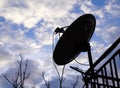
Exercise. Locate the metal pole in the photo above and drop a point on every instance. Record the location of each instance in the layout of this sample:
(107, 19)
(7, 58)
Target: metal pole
(92, 76)
(90, 59)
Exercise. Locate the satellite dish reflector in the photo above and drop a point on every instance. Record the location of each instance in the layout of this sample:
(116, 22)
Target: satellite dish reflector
(69, 45)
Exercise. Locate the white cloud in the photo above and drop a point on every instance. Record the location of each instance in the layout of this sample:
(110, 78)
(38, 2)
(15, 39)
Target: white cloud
(6, 57)
(113, 8)
(109, 33)
(49, 14)
(30, 12)
(97, 49)
(87, 7)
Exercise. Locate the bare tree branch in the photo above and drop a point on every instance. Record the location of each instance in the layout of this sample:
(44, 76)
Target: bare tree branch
(47, 84)
(5, 76)
(74, 85)
(21, 74)
(60, 77)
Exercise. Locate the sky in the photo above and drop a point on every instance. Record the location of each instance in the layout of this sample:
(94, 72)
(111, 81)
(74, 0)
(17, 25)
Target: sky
(27, 26)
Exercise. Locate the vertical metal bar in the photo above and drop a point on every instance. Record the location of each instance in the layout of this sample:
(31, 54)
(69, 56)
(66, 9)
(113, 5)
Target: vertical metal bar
(102, 78)
(106, 76)
(91, 82)
(112, 73)
(90, 59)
(94, 82)
(97, 81)
(116, 73)
(86, 81)
(98, 85)
(91, 67)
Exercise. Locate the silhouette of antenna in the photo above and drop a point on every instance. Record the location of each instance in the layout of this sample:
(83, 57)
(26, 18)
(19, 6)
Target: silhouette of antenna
(74, 40)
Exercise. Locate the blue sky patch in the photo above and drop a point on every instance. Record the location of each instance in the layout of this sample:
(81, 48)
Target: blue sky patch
(76, 9)
(99, 3)
(2, 19)
(30, 34)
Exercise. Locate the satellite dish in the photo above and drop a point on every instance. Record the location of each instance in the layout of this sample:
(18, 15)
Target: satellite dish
(77, 34)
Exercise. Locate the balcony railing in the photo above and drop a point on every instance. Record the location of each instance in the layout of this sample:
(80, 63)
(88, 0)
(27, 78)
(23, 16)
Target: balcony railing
(106, 69)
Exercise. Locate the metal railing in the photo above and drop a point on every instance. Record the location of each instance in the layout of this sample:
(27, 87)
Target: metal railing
(107, 73)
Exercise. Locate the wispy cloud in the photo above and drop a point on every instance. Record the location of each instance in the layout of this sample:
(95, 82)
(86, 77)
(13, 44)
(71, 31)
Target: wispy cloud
(29, 13)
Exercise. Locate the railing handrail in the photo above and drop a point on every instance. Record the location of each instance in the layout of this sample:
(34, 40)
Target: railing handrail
(116, 53)
(107, 52)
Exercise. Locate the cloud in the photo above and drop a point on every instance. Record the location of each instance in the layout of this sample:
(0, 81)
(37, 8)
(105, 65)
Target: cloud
(87, 6)
(26, 27)
(109, 33)
(98, 49)
(33, 69)
(5, 59)
(69, 80)
(29, 13)
(113, 8)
